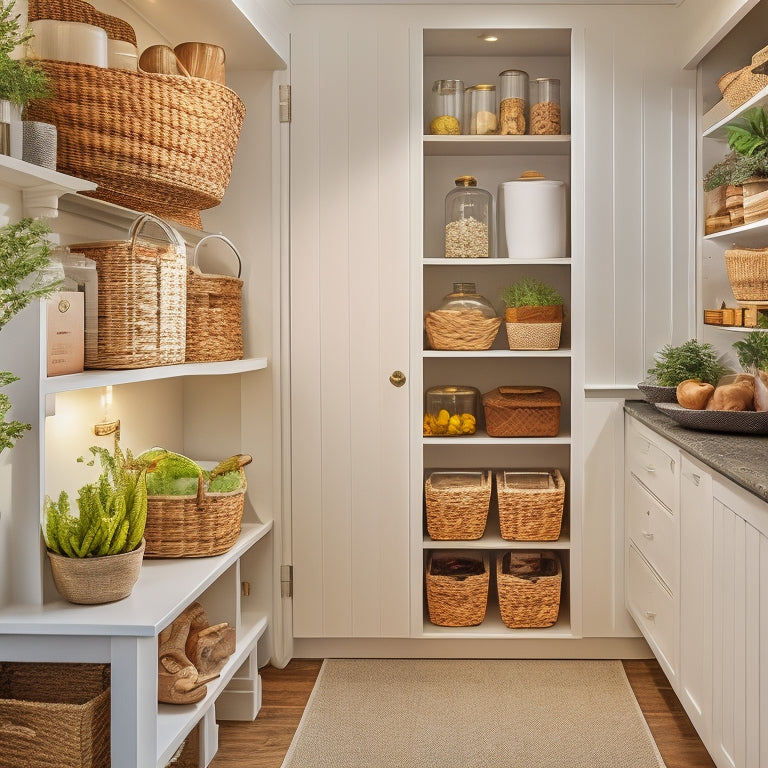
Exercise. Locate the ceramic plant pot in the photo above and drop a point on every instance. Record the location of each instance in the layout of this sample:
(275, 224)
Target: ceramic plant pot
(39, 144)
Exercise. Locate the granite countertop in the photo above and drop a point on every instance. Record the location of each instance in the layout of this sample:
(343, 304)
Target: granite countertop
(741, 458)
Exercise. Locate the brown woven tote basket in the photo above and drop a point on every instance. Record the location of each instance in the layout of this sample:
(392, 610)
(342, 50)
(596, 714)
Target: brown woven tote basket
(530, 514)
(463, 329)
(519, 411)
(55, 714)
(454, 602)
(80, 11)
(194, 526)
(529, 602)
(214, 312)
(458, 512)
(747, 270)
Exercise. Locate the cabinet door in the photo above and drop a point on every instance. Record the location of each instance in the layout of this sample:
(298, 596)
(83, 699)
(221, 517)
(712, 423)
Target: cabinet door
(349, 332)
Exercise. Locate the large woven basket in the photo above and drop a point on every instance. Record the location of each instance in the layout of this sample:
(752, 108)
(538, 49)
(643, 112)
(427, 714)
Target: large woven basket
(530, 510)
(80, 11)
(457, 504)
(533, 601)
(142, 289)
(54, 715)
(519, 411)
(457, 601)
(747, 270)
(214, 312)
(146, 139)
(194, 526)
(463, 329)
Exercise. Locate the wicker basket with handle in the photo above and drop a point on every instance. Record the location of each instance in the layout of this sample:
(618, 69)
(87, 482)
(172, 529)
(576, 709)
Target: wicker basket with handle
(457, 504)
(214, 312)
(519, 411)
(84, 13)
(457, 601)
(529, 592)
(142, 298)
(747, 270)
(195, 526)
(530, 505)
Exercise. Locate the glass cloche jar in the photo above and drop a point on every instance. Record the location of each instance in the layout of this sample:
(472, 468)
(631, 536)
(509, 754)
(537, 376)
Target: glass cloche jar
(468, 221)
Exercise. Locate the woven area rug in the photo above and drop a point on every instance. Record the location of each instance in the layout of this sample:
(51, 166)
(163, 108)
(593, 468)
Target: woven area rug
(441, 713)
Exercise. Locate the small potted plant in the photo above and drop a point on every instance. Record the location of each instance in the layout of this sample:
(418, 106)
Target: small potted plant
(534, 314)
(96, 555)
(672, 364)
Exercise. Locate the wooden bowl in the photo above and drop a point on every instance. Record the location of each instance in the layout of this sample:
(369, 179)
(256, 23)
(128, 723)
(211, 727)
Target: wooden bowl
(161, 60)
(203, 60)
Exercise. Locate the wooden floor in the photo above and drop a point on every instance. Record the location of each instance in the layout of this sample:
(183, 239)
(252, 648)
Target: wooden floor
(264, 742)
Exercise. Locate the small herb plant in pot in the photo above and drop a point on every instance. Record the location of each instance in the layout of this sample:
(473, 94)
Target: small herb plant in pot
(534, 314)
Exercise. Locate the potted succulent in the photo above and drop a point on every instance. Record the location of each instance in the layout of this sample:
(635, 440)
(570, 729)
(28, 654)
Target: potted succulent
(534, 314)
(96, 555)
(24, 255)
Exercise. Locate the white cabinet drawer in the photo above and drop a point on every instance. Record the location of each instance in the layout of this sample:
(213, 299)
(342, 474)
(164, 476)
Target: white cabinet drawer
(654, 462)
(654, 531)
(652, 607)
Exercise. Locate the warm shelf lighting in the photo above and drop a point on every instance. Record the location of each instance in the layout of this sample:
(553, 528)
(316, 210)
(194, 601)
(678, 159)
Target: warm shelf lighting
(489, 38)
(107, 426)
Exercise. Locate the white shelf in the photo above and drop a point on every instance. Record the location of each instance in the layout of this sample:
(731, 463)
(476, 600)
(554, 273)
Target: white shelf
(100, 378)
(164, 588)
(493, 262)
(503, 353)
(753, 235)
(476, 146)
(174, 722)
(481, 438)
(718, 130)
(26, 176)
(494, 541)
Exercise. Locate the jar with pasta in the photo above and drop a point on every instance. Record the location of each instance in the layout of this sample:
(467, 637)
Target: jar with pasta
(513, 104)
(468, 221)
(545, 106)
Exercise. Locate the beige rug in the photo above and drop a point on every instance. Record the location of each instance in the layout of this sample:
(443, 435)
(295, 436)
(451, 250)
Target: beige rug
(442, 713)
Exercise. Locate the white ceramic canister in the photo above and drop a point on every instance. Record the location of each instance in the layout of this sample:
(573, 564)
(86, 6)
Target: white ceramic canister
(532, 209)
(68, 41)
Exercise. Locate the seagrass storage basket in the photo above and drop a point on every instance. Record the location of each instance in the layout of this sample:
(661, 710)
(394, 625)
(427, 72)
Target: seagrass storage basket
(142, 287)
(152, 142)
(530, 505)
(455, 599)
(460, 329)
(214, 312)
(54, 715)
(457, 504)
(195, 526)
(529, 586)
(519, 411)
(84, 13)
(741, 85)
(747, 270)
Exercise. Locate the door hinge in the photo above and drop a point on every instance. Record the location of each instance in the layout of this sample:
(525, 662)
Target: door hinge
(285, 103)
(286, 581)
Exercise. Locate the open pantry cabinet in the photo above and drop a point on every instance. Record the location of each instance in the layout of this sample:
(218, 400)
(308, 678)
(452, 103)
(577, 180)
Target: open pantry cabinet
(493, 159)
(203, 410)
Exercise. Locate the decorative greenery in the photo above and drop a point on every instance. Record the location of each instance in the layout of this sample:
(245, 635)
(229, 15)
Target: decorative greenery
(177, 475)
(530, 292)
(112, 511)
(736, 169)
(691, 360)
(752, 351)
(24, 254)
(21, 80)
(749, 133)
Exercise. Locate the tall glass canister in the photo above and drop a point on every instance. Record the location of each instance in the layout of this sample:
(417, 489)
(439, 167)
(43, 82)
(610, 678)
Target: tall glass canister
(468, 221)
(513, 104)
(447, 107)
(545, 106)
(483, 120)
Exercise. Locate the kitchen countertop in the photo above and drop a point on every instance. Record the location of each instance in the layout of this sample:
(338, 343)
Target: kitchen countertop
(741, 458)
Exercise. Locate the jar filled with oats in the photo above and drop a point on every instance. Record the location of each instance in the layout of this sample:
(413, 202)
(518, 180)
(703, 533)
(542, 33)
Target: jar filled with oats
(513, 104)
(482, 110)
(447, 107)
(468, 221)
(545, 106)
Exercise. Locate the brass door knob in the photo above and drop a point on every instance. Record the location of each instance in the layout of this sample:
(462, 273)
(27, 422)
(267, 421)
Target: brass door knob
(397, 378)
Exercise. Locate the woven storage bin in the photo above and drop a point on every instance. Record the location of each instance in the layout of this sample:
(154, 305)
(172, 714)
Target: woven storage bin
(522, 412)
(530, 505)
(747, 270)
(457, 602)
(529, 602)
(457, 504)
(146, 139)
(194, 526)
(214, 312)
(464, 329)
(741, 85)
(54, 715)
(80, 11)
(534, 335)
(142, 289)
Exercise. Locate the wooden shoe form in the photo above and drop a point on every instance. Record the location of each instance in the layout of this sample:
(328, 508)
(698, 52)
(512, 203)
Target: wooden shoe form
(208, 647)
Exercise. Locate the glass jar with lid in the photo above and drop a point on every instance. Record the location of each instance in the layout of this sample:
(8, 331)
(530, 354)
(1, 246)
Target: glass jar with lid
(465, 296)
(451, 411)
(468, 221)
(482, 110)
(447, 109)
(545, 106)
(513, 102)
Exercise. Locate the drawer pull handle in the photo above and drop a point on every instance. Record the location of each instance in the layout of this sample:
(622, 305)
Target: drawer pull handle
(650, 468)
(650, 615)
(648, 535)
(696, 479)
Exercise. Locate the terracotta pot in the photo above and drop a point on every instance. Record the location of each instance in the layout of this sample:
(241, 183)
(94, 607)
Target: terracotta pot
(551, 314)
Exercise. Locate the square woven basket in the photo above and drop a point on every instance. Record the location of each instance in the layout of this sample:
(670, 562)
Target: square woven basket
(747, 270)
(457, 504)
(530, 510)
(529, 601)
(522, 412)
(457, 601)
(54, 715)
